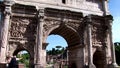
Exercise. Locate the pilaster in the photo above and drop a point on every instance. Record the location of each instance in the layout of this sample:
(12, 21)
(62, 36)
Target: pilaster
(89, 42)
(38, 51)
(109, 20)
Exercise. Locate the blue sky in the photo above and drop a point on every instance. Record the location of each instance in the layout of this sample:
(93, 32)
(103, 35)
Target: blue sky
(114, 5)
(55, 40)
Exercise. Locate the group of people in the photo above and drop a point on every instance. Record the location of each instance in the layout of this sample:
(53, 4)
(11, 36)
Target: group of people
(12, 62)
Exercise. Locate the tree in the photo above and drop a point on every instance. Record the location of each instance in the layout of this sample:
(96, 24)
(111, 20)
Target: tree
(58, 47)
(24, 58)
(117, 52)
(53, 51)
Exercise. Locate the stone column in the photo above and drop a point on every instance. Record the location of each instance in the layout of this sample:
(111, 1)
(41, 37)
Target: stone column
(89, 43)
(109, 20)
(39, 39)
(4, 32)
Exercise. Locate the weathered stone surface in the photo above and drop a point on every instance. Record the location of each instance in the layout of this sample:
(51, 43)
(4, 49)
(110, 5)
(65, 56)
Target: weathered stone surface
(84, 24)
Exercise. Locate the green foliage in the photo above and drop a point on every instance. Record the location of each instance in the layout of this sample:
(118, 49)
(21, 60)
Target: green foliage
(55, 51)
(24, 58)
(58, 46)
(117, 52)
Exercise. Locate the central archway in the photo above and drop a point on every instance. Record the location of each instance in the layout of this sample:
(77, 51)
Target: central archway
(68, 33)
(72, 37)
(57, 53)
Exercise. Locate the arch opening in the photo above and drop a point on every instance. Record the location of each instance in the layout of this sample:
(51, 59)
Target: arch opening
(57, 50)
(23, 58)
(72, 38)
(99, 59)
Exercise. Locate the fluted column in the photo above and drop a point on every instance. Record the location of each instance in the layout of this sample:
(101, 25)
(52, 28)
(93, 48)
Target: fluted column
(4, 31)
(39, 39)
(89, 41)
(109, 20)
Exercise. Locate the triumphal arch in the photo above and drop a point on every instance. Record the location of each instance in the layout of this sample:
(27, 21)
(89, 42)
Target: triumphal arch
(84, 24)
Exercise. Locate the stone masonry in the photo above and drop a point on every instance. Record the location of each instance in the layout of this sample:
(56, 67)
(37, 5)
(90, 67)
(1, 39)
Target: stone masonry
(85, 24)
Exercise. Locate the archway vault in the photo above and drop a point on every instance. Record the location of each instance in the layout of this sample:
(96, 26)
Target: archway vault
(20, 49)
(68, 33)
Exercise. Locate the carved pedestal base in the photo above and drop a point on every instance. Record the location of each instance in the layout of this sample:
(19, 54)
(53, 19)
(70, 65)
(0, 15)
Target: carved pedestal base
(2, 65)
(39, 66)
(91, 66)
(113, 65)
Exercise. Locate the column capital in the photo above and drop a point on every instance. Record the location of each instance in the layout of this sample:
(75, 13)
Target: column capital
(40, 14)
(88, 19)
(109, 17)
(8, 4)
(109, 20)
(45, 45)
(7, 11)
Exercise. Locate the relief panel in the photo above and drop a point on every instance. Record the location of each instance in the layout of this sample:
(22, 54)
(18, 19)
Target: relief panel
(49, 24)
(98, 32)
(22, 28)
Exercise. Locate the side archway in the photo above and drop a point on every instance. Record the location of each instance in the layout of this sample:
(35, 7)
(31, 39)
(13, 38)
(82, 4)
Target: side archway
(99, 59)
(24, 57)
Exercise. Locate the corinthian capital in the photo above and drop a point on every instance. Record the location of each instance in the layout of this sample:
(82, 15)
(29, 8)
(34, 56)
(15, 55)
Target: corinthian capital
(41, 13)
(7, 10)
(88, 19)
(109, 20)
(8, 4)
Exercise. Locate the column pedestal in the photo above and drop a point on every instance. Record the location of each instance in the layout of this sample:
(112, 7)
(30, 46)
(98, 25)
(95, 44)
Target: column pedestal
(38, 66)
(2, 65)
(113, 65)
(91, 66)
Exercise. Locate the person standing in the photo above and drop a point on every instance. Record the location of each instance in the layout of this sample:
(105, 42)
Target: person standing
(13, 63)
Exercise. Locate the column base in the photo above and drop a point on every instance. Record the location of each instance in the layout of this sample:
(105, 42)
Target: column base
(39, 66)
(91, 66)
(113, 65)
(2, 65)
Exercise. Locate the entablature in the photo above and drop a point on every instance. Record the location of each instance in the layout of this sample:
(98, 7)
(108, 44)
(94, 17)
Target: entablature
(87, 7)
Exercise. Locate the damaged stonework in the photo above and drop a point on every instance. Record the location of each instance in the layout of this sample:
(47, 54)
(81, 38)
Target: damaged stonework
(84, 24)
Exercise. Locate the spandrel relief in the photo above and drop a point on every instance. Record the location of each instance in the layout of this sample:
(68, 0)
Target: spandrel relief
(22, 28)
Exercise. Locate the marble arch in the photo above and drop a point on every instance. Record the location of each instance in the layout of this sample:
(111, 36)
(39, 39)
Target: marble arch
(86, 26)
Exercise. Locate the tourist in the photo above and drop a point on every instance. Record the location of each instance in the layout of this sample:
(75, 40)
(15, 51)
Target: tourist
(13, 63)
(8, 59)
